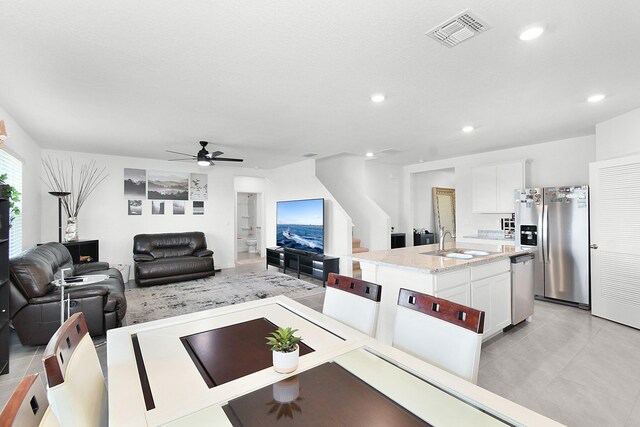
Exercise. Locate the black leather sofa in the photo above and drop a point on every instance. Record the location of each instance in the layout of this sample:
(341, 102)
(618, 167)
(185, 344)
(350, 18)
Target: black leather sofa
(35, 301)
(171, 257)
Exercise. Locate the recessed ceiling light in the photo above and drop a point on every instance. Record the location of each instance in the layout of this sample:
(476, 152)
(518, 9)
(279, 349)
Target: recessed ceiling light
(377, 97)
(531, 33)
(369, 154)
(596, 98)
(467, 129)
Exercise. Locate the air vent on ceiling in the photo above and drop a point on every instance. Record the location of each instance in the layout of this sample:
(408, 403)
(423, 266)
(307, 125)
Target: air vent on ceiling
(458, 29)
(309, 154)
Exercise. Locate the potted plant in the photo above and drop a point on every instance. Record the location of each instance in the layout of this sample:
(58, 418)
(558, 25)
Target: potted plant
(285, 349)
(14, 198)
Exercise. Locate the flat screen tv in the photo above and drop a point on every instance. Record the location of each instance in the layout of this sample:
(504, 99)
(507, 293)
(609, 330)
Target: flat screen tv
(300, 225)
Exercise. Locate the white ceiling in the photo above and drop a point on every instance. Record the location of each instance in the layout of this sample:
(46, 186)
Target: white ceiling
(270, 80)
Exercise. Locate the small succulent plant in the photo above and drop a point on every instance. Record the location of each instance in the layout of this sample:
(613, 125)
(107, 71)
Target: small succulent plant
(283, 340)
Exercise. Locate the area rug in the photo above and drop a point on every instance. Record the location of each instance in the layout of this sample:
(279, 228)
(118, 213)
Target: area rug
(162, 301)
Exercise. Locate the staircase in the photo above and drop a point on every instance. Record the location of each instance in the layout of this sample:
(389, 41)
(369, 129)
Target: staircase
(356, 248)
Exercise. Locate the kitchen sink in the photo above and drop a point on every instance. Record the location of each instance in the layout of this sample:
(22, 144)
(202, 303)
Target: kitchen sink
(458, 253)
(475, 252)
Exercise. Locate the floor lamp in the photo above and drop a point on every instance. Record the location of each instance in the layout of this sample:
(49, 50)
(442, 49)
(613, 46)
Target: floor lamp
(59, 195)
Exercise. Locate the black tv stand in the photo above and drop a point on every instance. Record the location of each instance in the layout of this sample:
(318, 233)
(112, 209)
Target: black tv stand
(307, 264)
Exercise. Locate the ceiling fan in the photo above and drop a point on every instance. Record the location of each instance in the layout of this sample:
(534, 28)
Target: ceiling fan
(204, 158)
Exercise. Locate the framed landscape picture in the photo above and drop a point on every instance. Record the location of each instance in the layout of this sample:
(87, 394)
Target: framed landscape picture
(157, 208)
(178, 207)
(135, 207)
(135, 183)
(167, 185)
(198, 208)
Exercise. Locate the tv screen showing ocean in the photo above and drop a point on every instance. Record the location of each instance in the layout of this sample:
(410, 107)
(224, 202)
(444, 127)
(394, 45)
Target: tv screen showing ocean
(308, 238)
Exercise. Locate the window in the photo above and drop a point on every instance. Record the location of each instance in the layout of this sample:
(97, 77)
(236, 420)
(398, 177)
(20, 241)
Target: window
(13, 168)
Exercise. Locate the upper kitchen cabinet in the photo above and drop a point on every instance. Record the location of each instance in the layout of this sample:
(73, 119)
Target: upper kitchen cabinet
(493, 186)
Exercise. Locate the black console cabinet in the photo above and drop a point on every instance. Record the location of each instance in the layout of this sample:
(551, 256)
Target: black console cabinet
(4, 279)
(316, 266)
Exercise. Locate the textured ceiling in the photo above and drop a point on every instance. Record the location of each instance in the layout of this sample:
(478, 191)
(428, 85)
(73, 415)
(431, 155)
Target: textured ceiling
(271, 80)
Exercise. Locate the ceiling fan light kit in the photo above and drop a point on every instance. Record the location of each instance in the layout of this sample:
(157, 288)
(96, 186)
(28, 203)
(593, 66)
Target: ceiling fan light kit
(203, 157)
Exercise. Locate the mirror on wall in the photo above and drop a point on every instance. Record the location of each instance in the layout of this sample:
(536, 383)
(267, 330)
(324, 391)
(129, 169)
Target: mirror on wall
(444, 209)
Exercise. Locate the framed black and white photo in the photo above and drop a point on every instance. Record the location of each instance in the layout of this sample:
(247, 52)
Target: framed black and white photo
(135, 207)
(198, 186)
(167, 185)
(135, 183)
(157, 208)
(178, 207)
(198, 208)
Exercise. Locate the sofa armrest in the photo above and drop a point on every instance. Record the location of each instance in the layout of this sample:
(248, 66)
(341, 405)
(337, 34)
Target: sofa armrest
(73, 293)
(202, 253)
(143, 257)
(80, 269)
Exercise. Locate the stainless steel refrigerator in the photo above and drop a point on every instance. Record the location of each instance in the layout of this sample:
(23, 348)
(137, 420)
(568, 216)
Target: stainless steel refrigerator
(555, 221)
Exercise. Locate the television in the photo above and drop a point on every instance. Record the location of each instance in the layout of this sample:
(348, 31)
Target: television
(300, 225)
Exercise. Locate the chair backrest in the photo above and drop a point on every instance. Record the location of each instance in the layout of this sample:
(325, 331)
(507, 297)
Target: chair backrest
(353, 302)
(443, 333)
(163, 245)
(76, 387)
(28, 406)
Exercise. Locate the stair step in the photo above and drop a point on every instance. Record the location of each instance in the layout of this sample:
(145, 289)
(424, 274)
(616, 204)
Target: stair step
(359, 250)
(355, 242)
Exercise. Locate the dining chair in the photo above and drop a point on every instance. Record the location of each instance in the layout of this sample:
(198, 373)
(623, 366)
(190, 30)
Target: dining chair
(28, 406)
(353, 302)
(444, 333)
(75, 384)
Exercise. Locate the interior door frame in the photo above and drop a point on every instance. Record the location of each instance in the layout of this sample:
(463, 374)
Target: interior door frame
(441, 191)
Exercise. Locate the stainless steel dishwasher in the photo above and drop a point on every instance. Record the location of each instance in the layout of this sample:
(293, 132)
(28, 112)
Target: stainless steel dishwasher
(522, 287)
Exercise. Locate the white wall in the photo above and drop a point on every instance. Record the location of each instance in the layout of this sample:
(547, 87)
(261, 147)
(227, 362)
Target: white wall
(562, 162)
(619, 136)
(20, 145)
(344, 177)
(422, 199)
(299, 181)
(383, 183)
(104, 215)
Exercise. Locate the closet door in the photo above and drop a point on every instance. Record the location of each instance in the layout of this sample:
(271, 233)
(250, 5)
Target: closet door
(615, 239)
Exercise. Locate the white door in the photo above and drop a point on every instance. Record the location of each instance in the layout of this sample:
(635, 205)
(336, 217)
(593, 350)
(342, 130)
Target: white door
(615, 239)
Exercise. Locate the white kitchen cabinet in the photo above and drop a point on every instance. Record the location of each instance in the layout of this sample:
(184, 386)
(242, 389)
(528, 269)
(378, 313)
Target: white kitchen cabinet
(493, 187)
(459, 294)
(493, 296)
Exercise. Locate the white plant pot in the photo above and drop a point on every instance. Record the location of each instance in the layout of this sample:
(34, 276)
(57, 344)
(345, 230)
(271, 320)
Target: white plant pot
(286, 362)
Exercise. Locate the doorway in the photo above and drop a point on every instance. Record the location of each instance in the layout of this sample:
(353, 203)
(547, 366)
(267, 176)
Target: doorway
(248, 228)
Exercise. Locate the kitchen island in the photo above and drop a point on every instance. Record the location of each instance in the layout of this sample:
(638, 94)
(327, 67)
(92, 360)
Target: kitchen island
(482, 281)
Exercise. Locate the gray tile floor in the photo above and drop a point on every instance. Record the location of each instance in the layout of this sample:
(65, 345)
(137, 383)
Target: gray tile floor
(566, 364)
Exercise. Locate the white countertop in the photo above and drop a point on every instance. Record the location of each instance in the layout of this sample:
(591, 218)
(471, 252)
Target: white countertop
(413, 258)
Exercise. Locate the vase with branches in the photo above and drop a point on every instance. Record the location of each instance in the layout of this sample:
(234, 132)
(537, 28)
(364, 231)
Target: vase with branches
(80, 182)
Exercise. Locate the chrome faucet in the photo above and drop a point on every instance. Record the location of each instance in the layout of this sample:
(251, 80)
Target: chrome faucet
(443, 234)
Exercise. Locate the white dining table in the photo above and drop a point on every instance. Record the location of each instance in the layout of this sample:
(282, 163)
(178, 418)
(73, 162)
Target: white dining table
(181, 397)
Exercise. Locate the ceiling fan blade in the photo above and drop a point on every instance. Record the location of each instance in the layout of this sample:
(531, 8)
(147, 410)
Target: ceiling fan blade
(227, 159)
(177, 152)
(214, 154)
(180, 160)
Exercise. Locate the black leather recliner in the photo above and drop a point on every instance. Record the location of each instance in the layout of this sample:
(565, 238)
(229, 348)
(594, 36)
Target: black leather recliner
(35, 301)
(171, 257)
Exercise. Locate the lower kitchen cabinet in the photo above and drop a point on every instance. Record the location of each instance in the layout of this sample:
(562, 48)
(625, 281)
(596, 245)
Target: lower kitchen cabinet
(493, 296)
(459, 294)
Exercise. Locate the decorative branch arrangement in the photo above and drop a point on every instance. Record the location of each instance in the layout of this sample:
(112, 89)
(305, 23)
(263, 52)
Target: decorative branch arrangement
(59, 177)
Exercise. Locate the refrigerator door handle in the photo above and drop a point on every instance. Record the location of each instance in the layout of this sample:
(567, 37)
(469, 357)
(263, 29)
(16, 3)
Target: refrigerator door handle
(545, 233)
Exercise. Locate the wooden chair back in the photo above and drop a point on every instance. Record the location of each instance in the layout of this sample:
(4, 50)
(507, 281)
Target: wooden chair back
(442, 332)
(28, 406)
(76, 387)
(353, 302)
